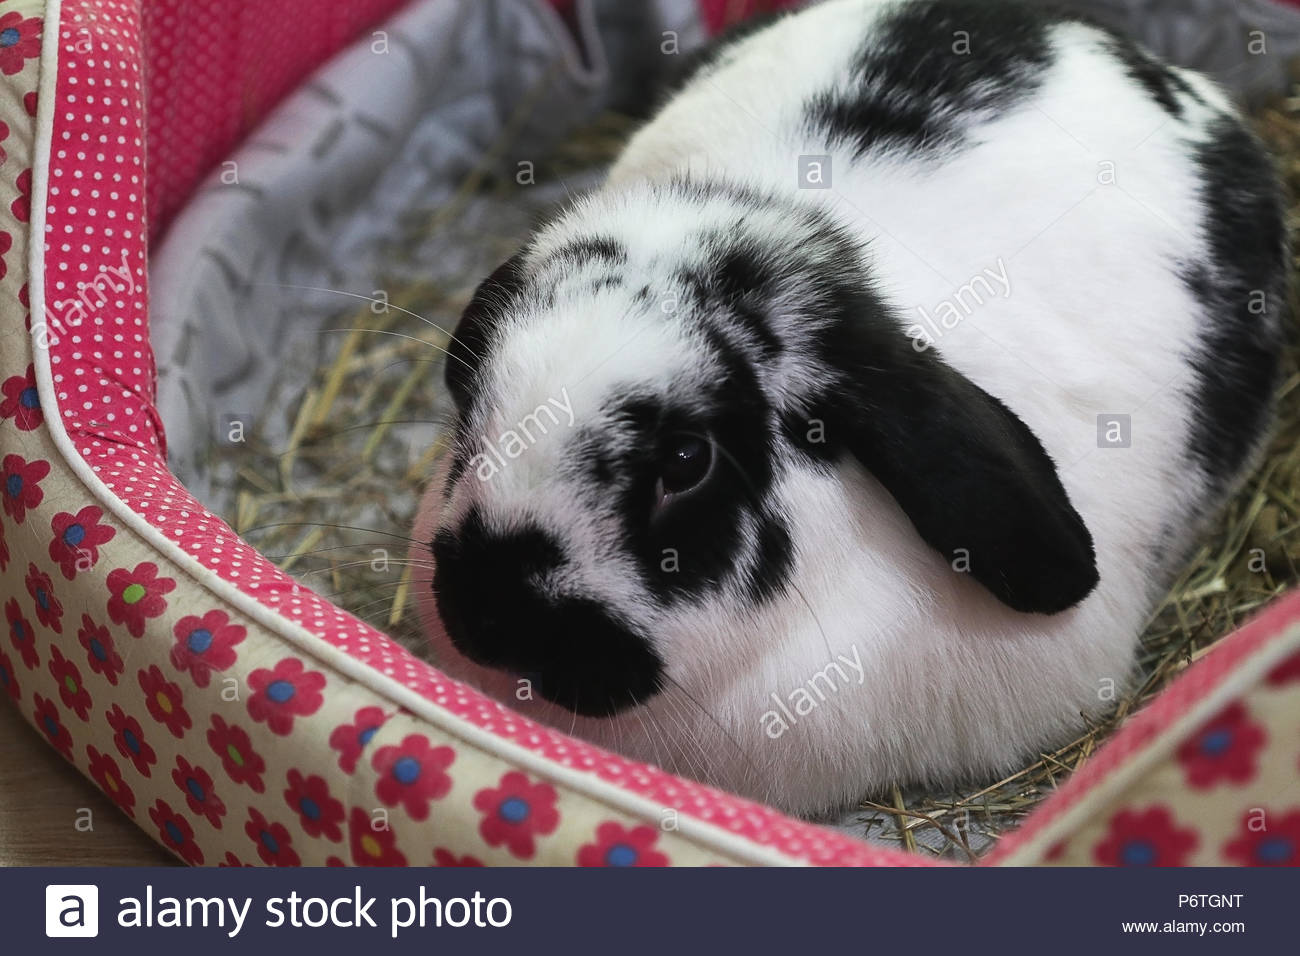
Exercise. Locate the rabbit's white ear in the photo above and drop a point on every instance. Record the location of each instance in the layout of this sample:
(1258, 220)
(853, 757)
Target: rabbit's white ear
(974, 480)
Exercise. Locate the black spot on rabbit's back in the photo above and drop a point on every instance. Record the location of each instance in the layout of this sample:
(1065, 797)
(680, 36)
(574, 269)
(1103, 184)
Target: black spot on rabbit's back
(929, 68)
(1243, 288)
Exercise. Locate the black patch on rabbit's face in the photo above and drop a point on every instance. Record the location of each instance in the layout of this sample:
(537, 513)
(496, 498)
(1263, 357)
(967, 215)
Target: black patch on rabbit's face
(500, 611)
(915, 85)
(727, 528)
(732, 527)
(1243, 288)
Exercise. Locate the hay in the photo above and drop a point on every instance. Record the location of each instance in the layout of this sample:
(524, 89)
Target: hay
(335, 506)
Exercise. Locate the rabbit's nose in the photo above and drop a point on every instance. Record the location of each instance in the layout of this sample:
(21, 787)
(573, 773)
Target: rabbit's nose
(486, 585)
(576, 652)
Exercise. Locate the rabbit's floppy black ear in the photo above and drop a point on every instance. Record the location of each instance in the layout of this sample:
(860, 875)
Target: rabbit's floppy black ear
(473, 336)
(974, 480)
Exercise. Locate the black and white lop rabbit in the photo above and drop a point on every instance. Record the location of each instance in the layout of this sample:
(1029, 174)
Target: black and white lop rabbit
(850, 432)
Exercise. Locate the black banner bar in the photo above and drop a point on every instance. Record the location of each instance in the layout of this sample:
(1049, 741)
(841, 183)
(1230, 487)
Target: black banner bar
(325, 911)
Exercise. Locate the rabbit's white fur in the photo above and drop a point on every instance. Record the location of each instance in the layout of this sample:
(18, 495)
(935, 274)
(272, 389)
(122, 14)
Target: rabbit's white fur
(1095, 322)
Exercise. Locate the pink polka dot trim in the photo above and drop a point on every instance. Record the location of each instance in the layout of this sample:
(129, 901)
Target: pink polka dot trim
(212, 78)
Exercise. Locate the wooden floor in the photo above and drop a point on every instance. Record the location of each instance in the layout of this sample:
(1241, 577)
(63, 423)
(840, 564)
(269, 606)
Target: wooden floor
(40, 797)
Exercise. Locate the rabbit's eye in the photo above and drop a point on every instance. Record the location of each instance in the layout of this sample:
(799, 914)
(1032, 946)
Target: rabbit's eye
(684, 463)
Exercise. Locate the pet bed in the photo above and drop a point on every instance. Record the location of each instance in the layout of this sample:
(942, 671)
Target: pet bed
(234, 713)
